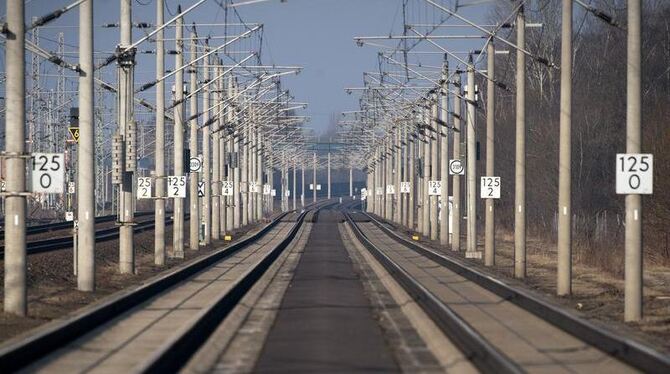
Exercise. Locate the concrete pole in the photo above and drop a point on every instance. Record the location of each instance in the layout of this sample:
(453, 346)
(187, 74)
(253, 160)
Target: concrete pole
(368, 183)
(425, 213)
(252, 164)
(286, 188)
(388, 179)
(15, 205)
(382, 181)
(222, 139)
(302, 185)
(456, 179)
(284, 202)
(329, 176)
(434, 166)
(286, 185)
(194, 200)
(633, 268)
(564, 273)
(471, 164)
(444, 157)
(159, 203)
(314, 180)
(271, 177)
(489, 224)
(86, 156)
(245, 178)
(295, 180)
(126, 115)
(351, 181)
(398, 178)
(216, 171)
(411, 168)
(404, 176)
(520, 165)
(206, 163)
(259, 174)
(380, 167)
(178, 225)
(236, 179)
(377, 182)
(229, 201)
(369, 197)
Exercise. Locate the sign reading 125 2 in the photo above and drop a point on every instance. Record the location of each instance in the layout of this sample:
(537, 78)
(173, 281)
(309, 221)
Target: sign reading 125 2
(490, 188)
(634, 173)
(176, 186)
(48, 172)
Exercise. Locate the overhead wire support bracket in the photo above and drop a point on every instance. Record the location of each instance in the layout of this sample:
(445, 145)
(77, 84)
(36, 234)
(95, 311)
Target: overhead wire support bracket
(41, 21)
(115, 56)
(492, 34)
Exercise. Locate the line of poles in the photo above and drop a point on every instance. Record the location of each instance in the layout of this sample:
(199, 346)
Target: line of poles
(409, 169)
(241, 138)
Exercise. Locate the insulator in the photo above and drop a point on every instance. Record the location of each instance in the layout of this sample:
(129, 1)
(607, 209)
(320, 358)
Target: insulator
(118, 151)
(131, 146)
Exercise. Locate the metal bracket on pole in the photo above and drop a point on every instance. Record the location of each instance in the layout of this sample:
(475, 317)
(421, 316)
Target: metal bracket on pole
(5, 154)
(126, 56)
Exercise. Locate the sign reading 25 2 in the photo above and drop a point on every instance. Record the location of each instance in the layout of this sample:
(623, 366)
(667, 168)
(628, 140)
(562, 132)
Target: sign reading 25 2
(48, 172)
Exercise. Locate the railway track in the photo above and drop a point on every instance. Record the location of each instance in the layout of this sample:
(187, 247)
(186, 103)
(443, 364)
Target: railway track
(63, 242)
(499, 327)
(38, 229)
(158, 325)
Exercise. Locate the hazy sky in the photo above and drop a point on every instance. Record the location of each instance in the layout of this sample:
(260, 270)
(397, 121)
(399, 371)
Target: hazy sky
(316, 34)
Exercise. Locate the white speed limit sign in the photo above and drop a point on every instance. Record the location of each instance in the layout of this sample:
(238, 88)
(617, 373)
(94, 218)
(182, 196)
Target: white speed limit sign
(195, 164)
(48, 172)
(176, 186)
(144, 188)
(490, 188)
(405, 187)
(456, 167)
(634, 173)
(390, 189)
(227, 188)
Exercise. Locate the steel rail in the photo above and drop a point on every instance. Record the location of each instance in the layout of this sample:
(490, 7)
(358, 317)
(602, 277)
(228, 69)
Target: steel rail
(475, 347)
(63, 242)
(622, 348)
(61, 225)
(22, 353)
(174, 353)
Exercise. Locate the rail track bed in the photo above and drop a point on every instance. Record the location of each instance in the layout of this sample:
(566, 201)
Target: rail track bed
(55, 236)
(498, 327)
(325, 321)
(151, 327)
(300, 296)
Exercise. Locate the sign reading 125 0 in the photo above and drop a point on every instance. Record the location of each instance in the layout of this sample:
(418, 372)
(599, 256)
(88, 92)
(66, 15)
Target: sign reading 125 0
(48, 172)
(634, 173)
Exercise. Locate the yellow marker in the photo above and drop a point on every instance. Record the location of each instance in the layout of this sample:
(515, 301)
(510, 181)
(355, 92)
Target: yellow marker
(415, 237)
(74, 131)
(227, 238)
